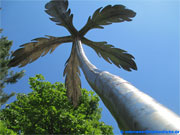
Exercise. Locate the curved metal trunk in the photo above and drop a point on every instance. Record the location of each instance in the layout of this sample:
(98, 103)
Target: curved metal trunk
(132, 109)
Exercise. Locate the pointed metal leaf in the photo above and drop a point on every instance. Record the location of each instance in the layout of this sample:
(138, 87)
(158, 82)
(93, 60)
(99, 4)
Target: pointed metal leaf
(112, 55)
(60, 13)
(33, 50)
(107, 15)
(72, 81)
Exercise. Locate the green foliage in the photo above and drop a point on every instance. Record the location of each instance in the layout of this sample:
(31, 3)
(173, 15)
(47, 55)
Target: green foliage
(47, 110)
(4, 130)
(6, 76)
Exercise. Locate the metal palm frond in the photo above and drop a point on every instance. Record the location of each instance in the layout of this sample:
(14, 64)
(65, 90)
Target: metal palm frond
(72, 81)
(58, 10)
(115, 55)
(33, 50)
(107, 15)
(60, 13)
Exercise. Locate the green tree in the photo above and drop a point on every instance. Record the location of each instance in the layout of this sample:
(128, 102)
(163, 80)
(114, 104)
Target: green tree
(47, 110)
(58, 10)
(4, 130)
(7, 76)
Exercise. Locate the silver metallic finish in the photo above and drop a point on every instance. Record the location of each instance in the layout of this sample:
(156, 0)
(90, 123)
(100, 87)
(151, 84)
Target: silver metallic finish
(132, 109)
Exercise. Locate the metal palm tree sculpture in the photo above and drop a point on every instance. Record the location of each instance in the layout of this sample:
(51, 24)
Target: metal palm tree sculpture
(58, 10)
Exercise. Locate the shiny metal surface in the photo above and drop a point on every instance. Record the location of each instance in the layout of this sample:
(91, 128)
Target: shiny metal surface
(132, 109)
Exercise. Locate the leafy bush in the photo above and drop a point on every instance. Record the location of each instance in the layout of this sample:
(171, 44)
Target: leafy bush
(4, 130)
(47, 110)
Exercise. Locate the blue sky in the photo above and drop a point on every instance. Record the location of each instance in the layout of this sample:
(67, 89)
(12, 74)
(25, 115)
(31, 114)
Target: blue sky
(152, 38)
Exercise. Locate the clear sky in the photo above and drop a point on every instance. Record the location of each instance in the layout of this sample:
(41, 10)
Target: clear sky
(152, 38)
